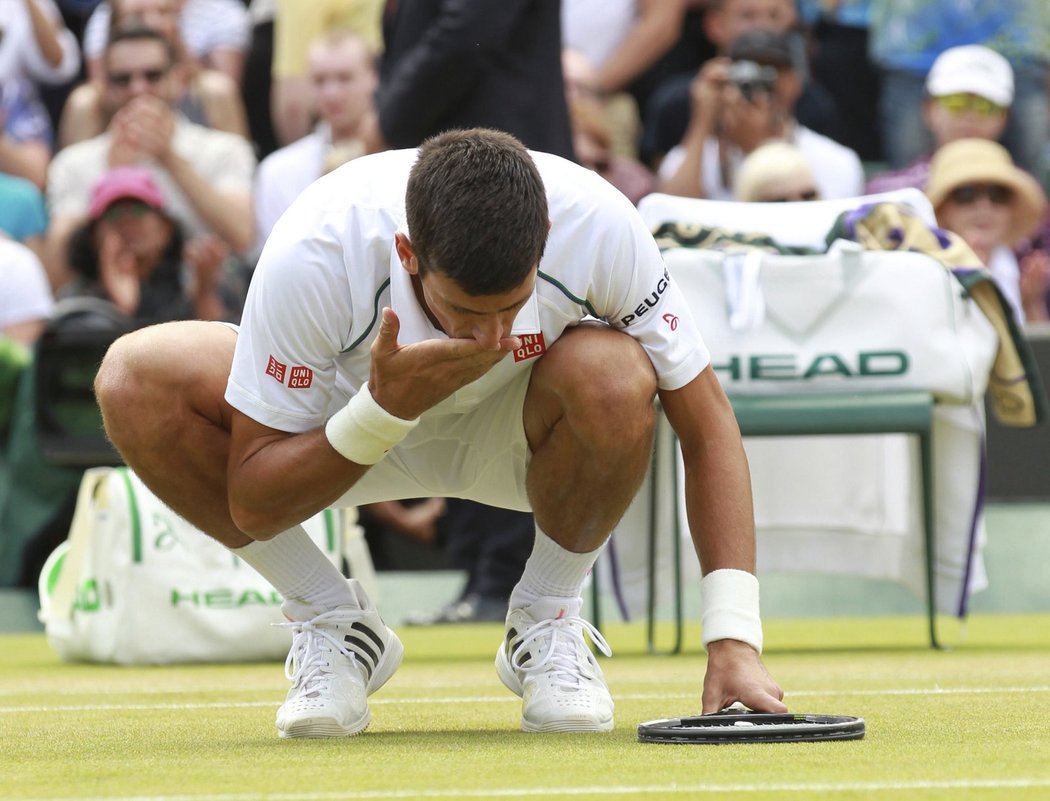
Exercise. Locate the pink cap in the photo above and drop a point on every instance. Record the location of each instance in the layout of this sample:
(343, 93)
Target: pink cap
(120, 183)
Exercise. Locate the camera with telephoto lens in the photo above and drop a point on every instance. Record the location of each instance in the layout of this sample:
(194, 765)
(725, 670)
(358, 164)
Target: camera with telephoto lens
(752, 78)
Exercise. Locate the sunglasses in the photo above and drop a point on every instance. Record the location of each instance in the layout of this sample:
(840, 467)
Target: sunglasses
(971, 193)
(122, 80)
(806, 194)
(962, 101)
(121, 209)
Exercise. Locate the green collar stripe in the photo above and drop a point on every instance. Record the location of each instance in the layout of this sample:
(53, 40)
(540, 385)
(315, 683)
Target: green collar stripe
(375, 317)
(561, 288)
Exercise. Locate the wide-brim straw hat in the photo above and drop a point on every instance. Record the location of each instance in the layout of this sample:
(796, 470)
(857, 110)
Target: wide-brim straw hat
(982, 161)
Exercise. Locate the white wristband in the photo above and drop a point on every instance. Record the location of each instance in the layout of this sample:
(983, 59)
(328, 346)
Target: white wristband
(730, 599)
(363, 431)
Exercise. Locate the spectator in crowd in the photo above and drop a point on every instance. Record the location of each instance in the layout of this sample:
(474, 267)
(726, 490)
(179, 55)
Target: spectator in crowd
(673, 102)
(908, 35)
(215, 32)
(258, 64)
(490, 545)
(35, 45)
(25, 297)
(969, 91)
(295, 25)
(838, 35)
(775, 172)
(620, 39)
(25, 304)
(595, 135)
(25, 132)
(205, 175)
(23, 213)
(133, 254)
(472, 63)
(207, 96)
(616, 42)
(343, 76)
(978, 192)
(740, 102)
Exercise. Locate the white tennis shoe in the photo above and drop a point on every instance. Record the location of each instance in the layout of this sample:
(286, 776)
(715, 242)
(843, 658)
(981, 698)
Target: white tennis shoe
(337, 660)
(544, 658)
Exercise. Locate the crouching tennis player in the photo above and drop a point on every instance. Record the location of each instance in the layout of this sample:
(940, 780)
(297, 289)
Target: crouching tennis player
(470, 320)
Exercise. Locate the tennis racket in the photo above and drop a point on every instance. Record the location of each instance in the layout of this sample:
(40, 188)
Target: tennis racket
(744, 726)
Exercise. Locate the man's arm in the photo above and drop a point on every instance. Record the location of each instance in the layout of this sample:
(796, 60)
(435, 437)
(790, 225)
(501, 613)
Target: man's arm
(656, 28)
(721, 519)
(705, 99)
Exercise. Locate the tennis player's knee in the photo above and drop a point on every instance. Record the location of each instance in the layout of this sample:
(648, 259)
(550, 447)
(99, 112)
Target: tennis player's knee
(612, 384)
(151, 379)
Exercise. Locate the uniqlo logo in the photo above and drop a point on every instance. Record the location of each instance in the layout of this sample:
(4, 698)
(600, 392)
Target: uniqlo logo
(276, 369)
(532, 345)
(301, 378)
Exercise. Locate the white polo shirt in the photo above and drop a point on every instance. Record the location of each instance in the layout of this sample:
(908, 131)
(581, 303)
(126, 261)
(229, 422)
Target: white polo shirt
(330, 266)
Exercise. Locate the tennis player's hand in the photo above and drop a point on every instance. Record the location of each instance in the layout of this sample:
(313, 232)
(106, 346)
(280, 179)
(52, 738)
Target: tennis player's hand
(735, 673)
(406, 380)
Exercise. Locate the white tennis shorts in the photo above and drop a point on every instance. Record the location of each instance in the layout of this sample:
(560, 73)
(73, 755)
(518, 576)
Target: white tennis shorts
(481, 455)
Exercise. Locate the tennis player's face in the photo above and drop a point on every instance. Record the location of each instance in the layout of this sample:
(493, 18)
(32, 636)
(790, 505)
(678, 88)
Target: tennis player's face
(484, 318)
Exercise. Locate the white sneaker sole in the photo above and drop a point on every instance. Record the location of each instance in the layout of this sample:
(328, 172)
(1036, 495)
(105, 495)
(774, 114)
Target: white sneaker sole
(324, 726)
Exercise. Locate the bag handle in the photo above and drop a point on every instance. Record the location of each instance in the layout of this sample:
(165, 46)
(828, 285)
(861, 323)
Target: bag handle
(81, 531)
(355, 551)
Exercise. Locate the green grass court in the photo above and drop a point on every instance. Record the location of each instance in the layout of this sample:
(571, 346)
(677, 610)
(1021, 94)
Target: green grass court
(972, 722)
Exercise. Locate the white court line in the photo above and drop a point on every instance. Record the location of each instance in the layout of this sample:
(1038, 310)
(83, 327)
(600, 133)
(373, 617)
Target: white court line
(561, 792)
(498, 699)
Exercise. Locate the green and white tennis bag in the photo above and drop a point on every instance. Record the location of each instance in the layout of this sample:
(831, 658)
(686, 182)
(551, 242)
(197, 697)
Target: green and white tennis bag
(137, 584)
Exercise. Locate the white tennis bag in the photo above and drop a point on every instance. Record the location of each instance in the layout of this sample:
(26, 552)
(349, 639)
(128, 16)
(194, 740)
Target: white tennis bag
(850, 320)
(137, 584)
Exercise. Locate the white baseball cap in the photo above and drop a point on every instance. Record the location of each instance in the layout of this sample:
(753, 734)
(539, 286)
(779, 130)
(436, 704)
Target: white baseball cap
(973, 69)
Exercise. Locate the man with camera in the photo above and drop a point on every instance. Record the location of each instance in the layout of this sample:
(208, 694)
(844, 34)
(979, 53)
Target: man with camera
(739, 102)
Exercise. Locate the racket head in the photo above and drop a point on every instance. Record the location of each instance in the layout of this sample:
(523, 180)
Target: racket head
(745, 726)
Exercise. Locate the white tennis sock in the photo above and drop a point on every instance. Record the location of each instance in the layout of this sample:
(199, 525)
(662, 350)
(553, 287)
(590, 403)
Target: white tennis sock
(299, 571)
(552, 571)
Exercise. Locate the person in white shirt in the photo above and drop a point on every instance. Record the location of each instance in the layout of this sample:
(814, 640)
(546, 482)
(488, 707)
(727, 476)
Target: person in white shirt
(35, 44)
(465, 320)
(740, 102)
(343, 75)
(205, 175)
(25, 297)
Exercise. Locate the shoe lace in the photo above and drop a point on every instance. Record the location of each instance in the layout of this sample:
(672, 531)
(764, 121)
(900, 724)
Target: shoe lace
(308, 659)
(564, 651)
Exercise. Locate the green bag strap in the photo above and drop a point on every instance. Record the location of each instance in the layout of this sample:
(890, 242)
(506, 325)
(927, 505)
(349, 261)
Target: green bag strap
(133, 515)
(81, 531)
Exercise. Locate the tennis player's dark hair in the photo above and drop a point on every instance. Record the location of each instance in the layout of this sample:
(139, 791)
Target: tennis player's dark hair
(477, 210)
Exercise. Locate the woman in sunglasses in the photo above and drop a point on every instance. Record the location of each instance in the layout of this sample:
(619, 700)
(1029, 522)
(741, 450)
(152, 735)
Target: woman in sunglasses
(979, 193)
